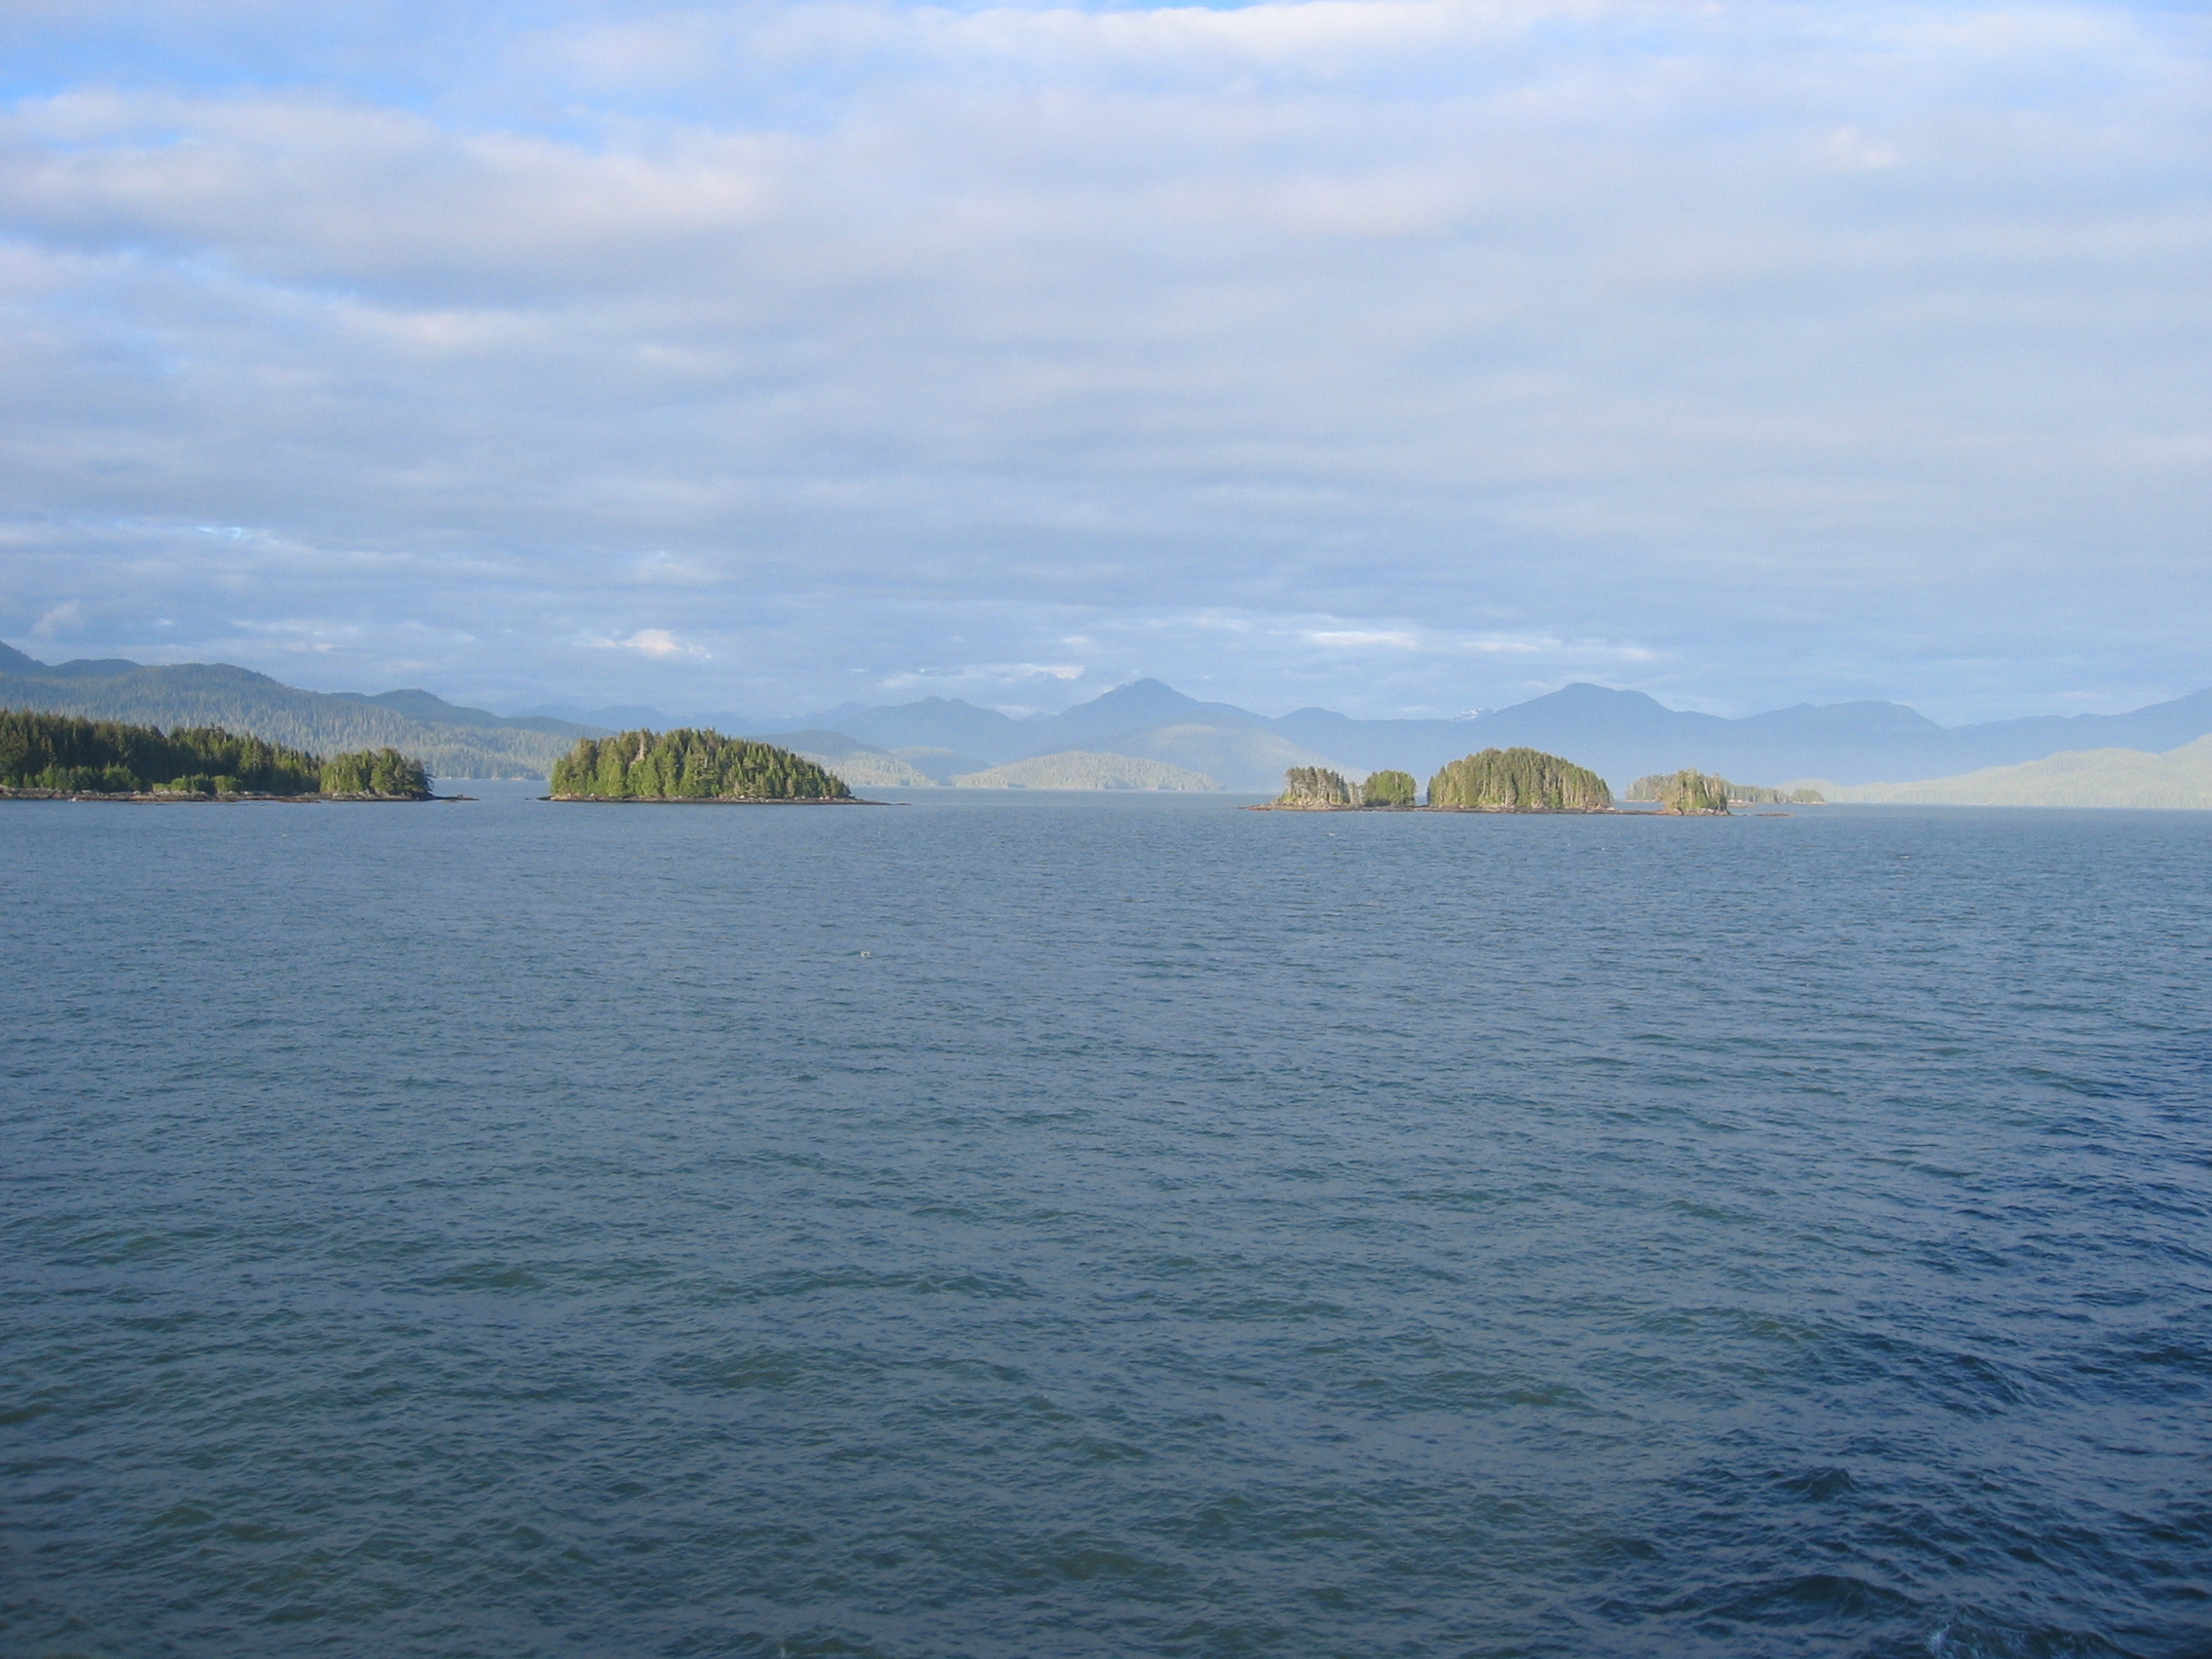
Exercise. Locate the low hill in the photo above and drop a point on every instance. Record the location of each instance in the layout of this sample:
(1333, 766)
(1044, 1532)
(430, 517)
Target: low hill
(2094, 777)
(1079, 769)
(452, 741)
(940, 765)
(1237, 757)
(855, 762)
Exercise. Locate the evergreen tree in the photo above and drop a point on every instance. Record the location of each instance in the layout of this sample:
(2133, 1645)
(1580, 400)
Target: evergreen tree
(1314, 786)
(1519, 780)
(58, 752)
(688, 764)
(1668, 786)
(1689, 792)
(382, 773)
(1389, 789)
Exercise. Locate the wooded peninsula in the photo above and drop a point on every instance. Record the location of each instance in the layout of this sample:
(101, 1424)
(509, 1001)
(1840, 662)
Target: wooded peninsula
(691, 765)
(60, 757)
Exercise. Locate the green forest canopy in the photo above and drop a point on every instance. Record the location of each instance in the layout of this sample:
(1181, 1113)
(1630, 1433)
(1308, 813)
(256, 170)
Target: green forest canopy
(687, 764)
(1389, 789)
(1687, 791)
(1314, 786)
(196, 695)
(60, 752)
(1751, 794)
(1519, 780)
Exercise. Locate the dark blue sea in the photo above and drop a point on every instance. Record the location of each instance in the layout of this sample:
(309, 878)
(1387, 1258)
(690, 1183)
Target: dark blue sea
(1041, 1225)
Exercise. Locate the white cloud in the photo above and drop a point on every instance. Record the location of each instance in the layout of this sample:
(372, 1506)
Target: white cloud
(1848, 147)
(65, 619)
(659, 643)
(1867, 339)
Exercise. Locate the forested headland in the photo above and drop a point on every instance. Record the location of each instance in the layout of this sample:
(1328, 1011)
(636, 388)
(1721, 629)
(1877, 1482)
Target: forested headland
(688, 764)
(60, 755)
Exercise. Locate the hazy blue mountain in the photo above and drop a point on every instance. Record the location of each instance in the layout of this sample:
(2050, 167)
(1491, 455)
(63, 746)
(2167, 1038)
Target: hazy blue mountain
(456, 745)
(1142, 705)
(940, 765)
(2097, 777)
(436, 711)
(933, 723)
(1076, 769)
(950, 722)
(1622, 735)
(861, 764)
(1251, 756)
(632, 716)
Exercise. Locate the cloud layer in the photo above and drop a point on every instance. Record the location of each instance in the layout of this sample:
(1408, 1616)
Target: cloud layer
(1394, 354)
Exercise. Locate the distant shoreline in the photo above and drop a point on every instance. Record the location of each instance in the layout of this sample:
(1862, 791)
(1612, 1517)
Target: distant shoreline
(167, 797)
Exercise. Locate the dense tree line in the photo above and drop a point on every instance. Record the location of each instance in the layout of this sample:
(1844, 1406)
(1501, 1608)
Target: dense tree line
(1685, 792)
(81, 757)
(1747, 794)
(690, 765)
(1314, 786)
(1519, 780)
(238, 700)
(1389, 789)
(375, 772)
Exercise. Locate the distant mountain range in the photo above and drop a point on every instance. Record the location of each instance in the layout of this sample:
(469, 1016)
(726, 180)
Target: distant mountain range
(452, 741)
(1074, 769)
(1620, 734)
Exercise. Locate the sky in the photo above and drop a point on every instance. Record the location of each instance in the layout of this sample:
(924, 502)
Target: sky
(1400, 356)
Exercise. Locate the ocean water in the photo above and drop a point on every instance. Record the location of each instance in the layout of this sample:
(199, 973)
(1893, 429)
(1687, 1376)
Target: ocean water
(1052, 1225)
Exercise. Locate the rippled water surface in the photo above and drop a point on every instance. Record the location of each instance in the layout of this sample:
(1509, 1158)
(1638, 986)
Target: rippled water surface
(1103, 1226)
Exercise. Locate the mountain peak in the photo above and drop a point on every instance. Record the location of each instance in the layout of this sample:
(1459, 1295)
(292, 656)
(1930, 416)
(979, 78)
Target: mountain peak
(1147, 693)
(1586, 694)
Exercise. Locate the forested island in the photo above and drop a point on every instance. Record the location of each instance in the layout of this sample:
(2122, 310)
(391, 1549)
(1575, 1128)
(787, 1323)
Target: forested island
(691, 765)
(1521, 779)
(1319, 788)
(1497, 780)
(1717, 793)
(1518, 780)
(59, 757)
